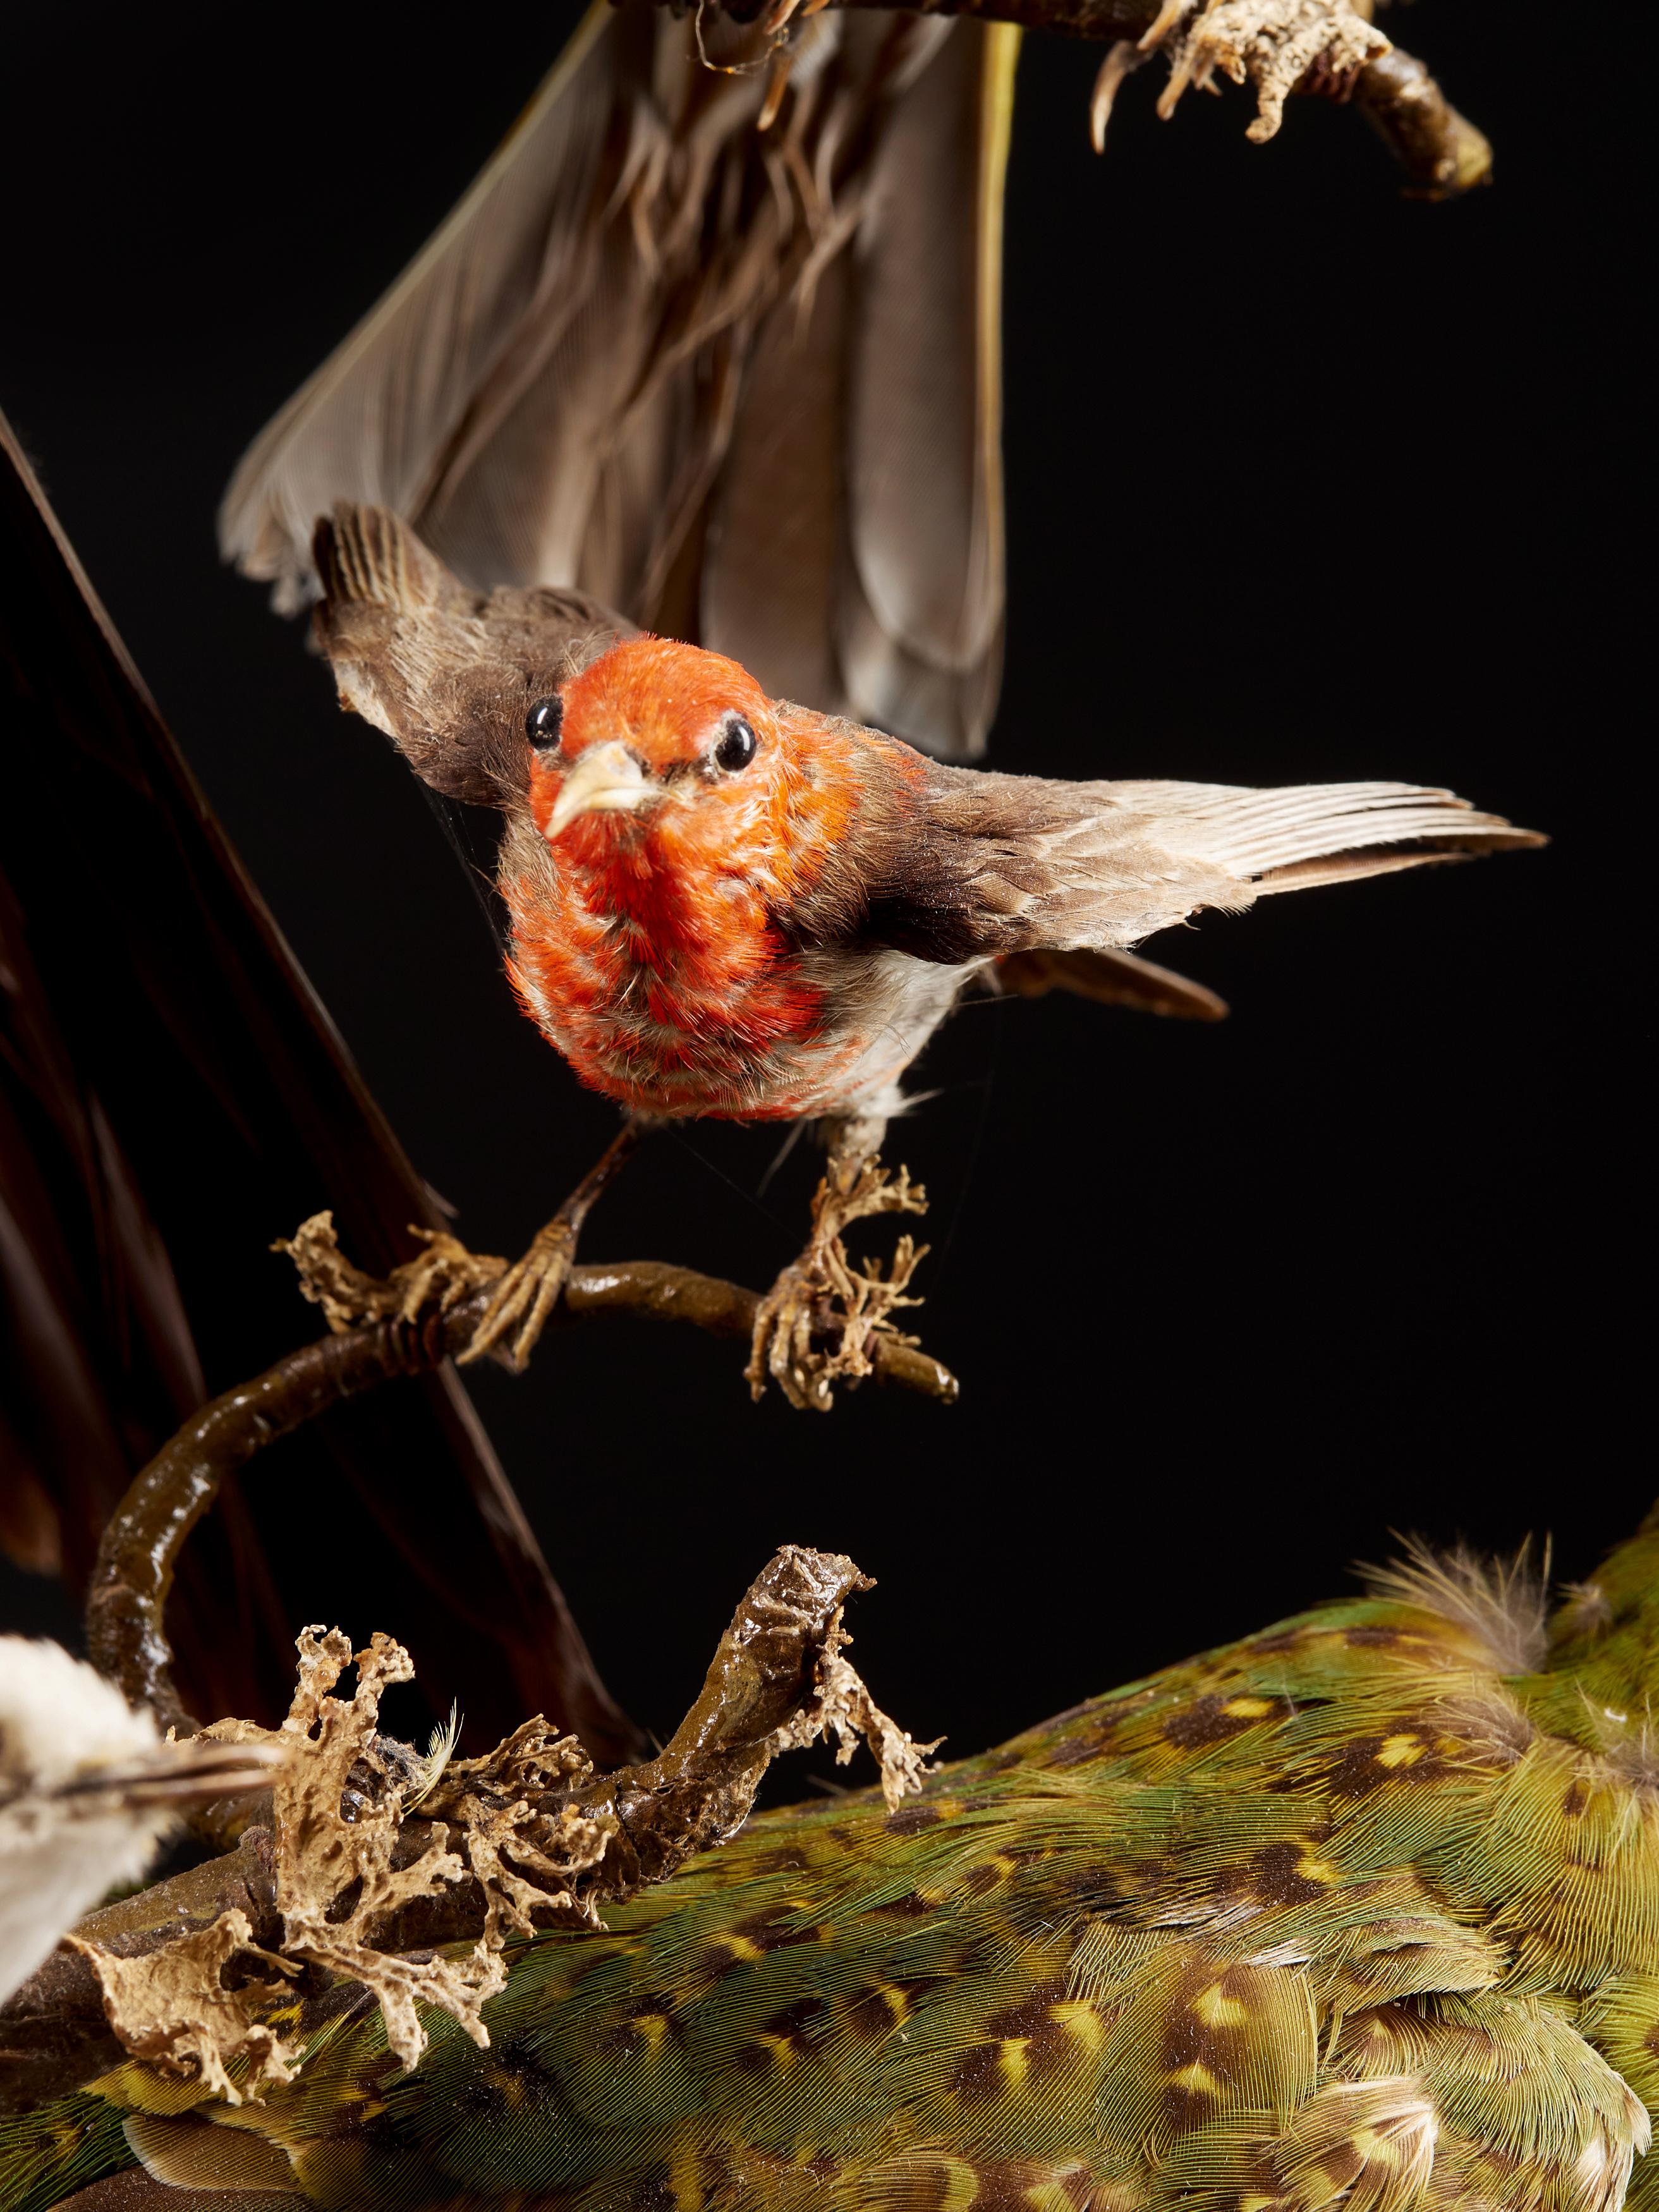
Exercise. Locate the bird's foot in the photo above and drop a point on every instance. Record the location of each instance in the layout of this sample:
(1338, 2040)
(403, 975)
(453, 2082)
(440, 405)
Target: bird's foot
(438, 1277)
(527, 1291)
(819, 1323)
(521, 1297)
(525, 1296)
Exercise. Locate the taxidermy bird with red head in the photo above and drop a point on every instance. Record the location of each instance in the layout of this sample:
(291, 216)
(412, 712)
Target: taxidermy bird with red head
(723, 903)
(710, 349)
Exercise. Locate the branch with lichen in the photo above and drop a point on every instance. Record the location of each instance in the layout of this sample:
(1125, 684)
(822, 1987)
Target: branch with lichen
(372, 1857)
(832, 1315)
(126, 1601)
(1318, 49)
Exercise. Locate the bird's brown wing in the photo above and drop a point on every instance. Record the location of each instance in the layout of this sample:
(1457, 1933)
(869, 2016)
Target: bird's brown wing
(969, 864)
(447, 673)
(741, 386)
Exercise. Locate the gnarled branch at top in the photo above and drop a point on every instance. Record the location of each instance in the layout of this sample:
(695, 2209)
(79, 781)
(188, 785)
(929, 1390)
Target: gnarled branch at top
(1440, 151)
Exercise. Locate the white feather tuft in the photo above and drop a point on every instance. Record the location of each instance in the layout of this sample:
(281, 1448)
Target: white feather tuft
(59, 1720)
(88, 1787)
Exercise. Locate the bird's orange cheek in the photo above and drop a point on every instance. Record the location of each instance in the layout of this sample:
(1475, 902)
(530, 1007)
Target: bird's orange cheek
(544, 784)
(811, 811)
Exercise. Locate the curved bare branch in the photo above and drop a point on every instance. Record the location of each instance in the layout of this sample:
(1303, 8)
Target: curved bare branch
(126, 1602)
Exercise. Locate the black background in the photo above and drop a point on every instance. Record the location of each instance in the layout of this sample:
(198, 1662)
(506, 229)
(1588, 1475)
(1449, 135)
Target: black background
(1305, 480)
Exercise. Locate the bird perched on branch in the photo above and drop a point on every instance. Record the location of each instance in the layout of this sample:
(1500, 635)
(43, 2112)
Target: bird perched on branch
(1359, 1914)
(711, 349)
(723, 903)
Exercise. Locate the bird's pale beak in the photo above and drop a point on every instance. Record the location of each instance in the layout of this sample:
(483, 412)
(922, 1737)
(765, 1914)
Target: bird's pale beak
(605, 779)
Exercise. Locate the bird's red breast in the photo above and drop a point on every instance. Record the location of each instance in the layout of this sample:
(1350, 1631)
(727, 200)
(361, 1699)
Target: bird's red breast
(651, 941)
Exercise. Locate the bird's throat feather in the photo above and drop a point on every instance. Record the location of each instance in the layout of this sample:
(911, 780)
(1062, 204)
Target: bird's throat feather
(660, 949)
(669, 987)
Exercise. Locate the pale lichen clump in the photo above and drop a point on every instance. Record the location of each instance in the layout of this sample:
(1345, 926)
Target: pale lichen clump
(344, 1869)
(381, 1859)
(337, 1825)
(843, 1707)
(525, 1853)
(172, 2005)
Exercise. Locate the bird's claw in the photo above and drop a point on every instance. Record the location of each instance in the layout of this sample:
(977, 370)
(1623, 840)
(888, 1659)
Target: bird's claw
(793, 1312)
(439, 1276)
(444, 1275)
(819, 1323)
(1276, 46)
(524, 1297)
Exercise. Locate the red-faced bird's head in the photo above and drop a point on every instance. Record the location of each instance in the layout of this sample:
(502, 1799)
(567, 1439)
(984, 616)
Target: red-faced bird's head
(654, 785)
(661, 756)
(633, 754)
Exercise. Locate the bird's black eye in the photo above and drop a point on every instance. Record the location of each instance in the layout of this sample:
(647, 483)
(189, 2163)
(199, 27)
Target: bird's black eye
(543, 721)
(738, 746)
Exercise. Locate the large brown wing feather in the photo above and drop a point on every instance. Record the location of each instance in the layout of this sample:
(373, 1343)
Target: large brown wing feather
(171, 1095)
(869, 441)
(742, 387)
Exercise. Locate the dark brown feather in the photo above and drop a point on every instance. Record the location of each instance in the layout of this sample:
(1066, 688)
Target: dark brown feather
(447, 673)
(1111, 979)
(171, 1095)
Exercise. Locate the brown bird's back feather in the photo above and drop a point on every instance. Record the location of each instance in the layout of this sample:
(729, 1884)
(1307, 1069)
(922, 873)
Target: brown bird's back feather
(445, 673)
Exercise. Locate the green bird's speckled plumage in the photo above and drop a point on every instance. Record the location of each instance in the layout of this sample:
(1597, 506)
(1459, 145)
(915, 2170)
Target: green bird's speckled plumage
(1360, 1913)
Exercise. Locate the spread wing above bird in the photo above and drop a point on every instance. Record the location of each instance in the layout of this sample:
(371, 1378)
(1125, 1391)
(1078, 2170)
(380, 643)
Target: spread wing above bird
(740, 384)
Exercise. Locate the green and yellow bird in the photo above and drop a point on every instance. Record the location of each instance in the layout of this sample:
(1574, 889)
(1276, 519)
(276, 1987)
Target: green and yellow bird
(1360, 1913)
